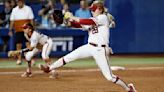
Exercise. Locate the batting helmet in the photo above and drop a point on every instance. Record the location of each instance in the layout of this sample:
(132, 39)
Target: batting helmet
(28, 25)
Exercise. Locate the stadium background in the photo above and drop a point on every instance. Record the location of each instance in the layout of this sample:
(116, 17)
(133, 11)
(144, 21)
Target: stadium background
(139, 26)
(137, 42)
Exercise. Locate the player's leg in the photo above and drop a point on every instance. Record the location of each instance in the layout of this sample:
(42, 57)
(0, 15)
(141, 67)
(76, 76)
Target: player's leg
(19, 39)
(45, 56)
(81, 52)
(28, 56)
(28, 46)
(19, 47)
(101, 57)
(46, 50)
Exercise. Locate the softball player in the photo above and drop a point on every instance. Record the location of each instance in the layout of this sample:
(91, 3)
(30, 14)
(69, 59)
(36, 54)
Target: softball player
(35, 39)
(97, 47)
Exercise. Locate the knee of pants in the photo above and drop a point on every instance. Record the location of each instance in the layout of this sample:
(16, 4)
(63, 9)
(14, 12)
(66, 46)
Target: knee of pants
(70, 57)
(111, 78)
(29, 56)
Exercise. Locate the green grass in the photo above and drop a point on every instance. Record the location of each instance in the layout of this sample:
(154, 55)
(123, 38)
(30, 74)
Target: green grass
(82, 63)
(141, 60)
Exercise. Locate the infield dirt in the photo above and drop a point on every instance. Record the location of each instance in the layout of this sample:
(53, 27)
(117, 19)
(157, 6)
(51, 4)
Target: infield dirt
(145, 80)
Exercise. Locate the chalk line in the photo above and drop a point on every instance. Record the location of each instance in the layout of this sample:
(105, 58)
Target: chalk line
(87, 70)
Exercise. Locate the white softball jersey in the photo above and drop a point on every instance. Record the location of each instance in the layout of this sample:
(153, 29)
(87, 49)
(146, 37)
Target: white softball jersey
(43, 40)
(99, 34)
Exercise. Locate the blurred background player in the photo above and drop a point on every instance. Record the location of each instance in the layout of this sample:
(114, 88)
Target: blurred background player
(35, 39)
(6, 14)
(97, 47)
(5, 22)
(65, 8)
(45, 12)
(20, 15)
(13, 3)
(83, 11)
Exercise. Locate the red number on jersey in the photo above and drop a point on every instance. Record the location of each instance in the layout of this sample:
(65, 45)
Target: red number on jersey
(94, 29)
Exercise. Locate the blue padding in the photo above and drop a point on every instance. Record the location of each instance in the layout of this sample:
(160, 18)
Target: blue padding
(63, 32)
(3, 55)
(1, 8)
(74, 7)
(1, 41)
(36, 8)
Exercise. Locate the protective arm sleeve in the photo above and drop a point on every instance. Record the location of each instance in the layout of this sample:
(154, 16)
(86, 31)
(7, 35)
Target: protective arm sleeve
(75, 24)
(27, 49)
(87, 22)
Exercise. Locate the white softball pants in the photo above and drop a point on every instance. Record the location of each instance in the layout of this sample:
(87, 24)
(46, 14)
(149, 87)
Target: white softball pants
(46, 50)
(100, 54)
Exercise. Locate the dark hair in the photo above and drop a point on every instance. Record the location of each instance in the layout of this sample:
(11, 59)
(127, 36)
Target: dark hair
(8, 1)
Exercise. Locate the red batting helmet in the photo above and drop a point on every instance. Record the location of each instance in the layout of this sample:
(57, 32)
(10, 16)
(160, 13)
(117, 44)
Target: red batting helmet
(28, 25)
(95, 5)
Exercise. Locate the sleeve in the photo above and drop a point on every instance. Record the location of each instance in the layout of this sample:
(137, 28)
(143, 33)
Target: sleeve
(75, 24)
(34, 40)
(12, 15)
(31, 14)
(78, 25)
(87, 22)
(101, 20)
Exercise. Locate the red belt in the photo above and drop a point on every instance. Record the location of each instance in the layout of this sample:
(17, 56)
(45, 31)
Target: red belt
(96, 45)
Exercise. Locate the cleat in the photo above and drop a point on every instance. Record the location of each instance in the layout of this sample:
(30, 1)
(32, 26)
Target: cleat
(132, 88)
(26, 74)
(19, 62)
(44, 68)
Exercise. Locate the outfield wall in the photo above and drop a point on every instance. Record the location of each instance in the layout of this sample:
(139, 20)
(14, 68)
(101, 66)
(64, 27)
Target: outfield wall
(139, 28)
(66, 40)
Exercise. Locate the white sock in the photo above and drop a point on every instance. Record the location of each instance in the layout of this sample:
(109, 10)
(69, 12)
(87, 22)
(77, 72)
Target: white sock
(123, 84)
(57, 64)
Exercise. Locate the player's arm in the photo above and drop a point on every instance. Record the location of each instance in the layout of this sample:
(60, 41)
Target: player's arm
(32, 21)
(75, 24)
(18, 52)
(12, 18)
(83, 21)
(69, 16)
(10, 28)
(33, 44)
(111, 19)
(27, 49)
(11, 25)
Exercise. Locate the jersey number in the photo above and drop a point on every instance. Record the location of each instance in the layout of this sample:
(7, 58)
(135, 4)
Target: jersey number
(94, 29)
